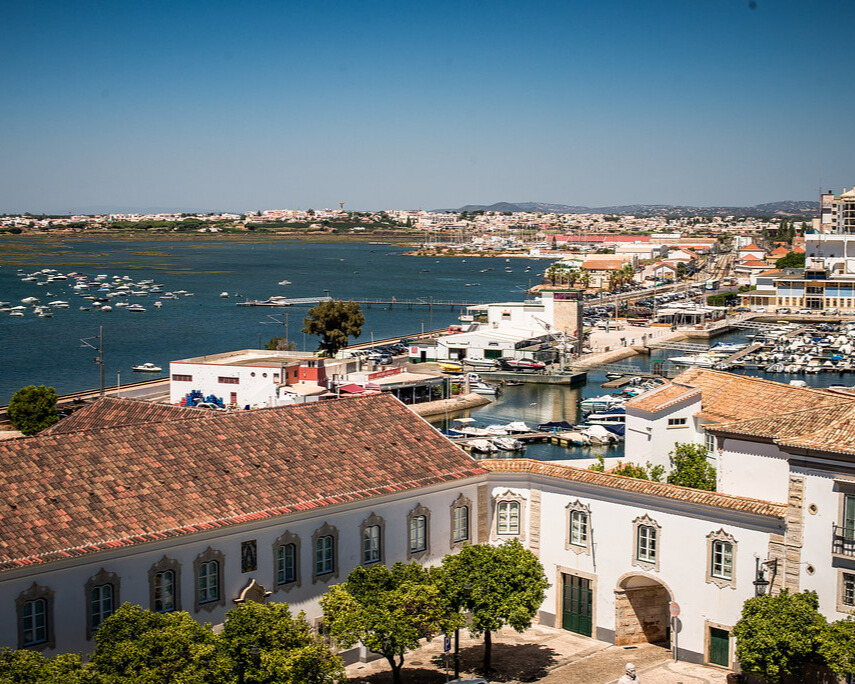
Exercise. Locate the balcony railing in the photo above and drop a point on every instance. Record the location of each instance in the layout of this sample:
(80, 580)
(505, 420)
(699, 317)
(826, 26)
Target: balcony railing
(843, 541)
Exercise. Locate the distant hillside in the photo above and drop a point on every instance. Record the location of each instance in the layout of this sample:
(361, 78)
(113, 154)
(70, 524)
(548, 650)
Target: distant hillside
(799, 209)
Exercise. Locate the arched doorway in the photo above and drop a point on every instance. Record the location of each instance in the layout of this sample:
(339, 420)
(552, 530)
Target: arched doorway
(641, 610)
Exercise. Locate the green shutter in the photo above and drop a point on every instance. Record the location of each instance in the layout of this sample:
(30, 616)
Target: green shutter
(719, 647)
(578, 605)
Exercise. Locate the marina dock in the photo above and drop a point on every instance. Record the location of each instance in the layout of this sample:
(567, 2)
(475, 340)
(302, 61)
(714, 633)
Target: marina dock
(572, 378)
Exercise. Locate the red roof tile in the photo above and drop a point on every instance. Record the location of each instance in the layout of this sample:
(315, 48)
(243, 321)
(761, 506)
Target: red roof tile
(631, 484)
(77, 493)
(113, 412)
(661, 398)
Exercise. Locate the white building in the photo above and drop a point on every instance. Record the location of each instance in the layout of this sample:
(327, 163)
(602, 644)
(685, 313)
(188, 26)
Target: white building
(174, 508)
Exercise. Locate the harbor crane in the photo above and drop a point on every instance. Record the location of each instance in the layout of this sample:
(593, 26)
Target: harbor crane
(563, 342)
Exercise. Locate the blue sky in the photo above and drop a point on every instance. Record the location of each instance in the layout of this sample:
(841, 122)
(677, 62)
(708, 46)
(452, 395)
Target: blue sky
(270, 103)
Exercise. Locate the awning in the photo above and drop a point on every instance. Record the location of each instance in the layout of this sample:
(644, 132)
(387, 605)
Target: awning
(351, 389)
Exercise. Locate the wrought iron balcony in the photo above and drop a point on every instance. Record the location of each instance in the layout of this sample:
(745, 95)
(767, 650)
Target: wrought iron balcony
(843, 541)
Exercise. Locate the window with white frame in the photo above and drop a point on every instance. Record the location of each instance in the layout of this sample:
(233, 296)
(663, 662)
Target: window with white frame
(35, 618)
(286, 563)
(418, 533)
(164, 592)
(164, 586)
(578, 528)
(646, 542)
(722, 560)
(372, 532)
(418, 529)
(208, 570)
(325, 548)
(508, 517)
(34, 622)
(102, 597)
(709, 442)
(460, 512)
(848, 595)
(324, 555)
(578, 535)
(461, 524)
(371, 544)
(100, 605)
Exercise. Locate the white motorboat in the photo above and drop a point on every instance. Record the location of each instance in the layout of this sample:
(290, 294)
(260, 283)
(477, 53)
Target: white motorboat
(157, 305)
(482, 388)
(147, 368)
(616, 416)
(224, 295)
(284, 282)
(30, 300)
(575, 438)
(700, 360)
(59, 304)
(603, 403)
(106, 307)
(599, 435)
(483, 446)
(508, 443)
(136, 308)
(476, 362)
(16, 314)
(517, 426)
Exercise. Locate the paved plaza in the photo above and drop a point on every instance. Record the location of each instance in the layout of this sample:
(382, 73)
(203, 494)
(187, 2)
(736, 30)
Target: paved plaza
(541, 654)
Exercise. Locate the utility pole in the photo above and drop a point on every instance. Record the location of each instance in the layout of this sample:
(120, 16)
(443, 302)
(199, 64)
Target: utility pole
(100, 358)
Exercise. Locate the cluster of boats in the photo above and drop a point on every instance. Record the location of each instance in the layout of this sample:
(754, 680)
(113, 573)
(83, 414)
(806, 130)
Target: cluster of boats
(791, 349)
(101, 292)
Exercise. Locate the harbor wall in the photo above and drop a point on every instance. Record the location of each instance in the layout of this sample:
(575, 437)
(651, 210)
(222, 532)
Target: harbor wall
(441, 406)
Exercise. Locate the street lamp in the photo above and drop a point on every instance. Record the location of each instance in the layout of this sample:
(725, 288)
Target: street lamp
(761, 584)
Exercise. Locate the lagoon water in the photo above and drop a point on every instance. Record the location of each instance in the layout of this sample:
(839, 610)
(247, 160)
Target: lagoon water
(48, 350)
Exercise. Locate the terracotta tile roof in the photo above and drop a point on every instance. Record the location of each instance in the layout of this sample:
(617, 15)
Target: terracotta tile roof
(830, 428)
(604, 265)
(780, 252)
(771, 271)
(661, 398)
(631, 484)
(726, 397)
(66, 495)
(114, 412)
(754, 263)
(799, 250)
(752, 247)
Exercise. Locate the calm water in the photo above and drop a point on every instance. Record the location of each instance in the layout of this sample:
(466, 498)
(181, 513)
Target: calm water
(48, 350)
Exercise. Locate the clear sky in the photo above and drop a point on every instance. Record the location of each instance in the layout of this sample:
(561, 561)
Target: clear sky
(250, 104)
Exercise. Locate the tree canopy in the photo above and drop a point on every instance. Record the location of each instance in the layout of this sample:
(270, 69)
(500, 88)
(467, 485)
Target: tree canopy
(32, 409)
(792, 260)
(30, 667)
(334, 321)
(778, 635)
(691, 467)
(498, 585)
(387, 610)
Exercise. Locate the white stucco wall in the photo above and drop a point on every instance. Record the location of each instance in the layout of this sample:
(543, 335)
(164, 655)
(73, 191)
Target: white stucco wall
(682, 551)
(68, 578)
(650, 439)
(256, 384)
(760, 471)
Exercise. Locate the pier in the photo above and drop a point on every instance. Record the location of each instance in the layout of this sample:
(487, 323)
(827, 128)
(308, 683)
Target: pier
(388, 302)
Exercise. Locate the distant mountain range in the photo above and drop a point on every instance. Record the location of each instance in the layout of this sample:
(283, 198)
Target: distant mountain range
(801, 209)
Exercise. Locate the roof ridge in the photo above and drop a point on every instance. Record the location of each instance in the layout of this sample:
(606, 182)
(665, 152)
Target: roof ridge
(831, 407)
(753, 378)
(690, 495)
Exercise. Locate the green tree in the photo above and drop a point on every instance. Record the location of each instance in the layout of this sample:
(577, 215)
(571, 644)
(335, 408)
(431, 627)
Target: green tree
(387, 610)
(334, 321)
(268, 645)
(691, 467)
(778, 635)
(838, 647)
(140, 646)
(682, 270)
(792, 260)
(30, 667)
(32, 409)
(498, 585)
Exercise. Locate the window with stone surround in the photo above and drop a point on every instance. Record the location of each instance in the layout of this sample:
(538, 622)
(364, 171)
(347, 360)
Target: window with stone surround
(509, 516)
(460, 521)
(164, 584)
(846, 592)
(578, 536)
(102, 598)
(721, 559)
(372, 532)
(286, 561)
(208, 572)
(325, 545)
(35, 618)
(645, 552)
(418, 526)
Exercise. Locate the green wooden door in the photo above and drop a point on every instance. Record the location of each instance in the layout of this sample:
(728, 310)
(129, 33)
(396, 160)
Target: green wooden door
(719, 647)
(577, 609)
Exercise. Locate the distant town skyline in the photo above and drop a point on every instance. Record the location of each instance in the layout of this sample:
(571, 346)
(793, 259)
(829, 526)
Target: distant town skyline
(239, 106)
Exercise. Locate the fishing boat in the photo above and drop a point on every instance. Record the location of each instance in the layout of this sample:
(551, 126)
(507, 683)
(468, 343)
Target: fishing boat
(147, 368)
